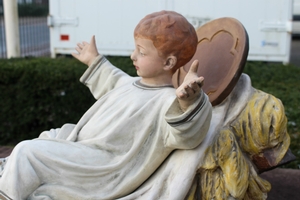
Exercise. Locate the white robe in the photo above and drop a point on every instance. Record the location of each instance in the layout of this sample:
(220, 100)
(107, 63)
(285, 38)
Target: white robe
(173, 179)
(115, 147)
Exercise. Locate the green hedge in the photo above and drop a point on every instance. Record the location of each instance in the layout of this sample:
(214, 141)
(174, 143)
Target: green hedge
(32, 10)
(41, 93)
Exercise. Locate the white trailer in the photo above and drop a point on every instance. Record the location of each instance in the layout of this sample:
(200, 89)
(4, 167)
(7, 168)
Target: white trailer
(268, 23)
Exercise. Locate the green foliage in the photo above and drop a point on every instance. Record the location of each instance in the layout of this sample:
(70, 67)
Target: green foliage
(32, 10)
(282, 81)
(124, 63)
(39, 94)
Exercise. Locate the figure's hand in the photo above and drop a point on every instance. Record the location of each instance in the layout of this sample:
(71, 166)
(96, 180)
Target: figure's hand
(87, 52)
(189, 91)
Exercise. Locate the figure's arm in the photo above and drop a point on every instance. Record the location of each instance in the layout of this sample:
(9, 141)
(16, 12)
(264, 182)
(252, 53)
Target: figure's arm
(190, 114)
(101, 76)
(188, 129)
(190, 90)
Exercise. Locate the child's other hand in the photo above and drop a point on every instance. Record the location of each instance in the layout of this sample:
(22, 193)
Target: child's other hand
(87, 52)
(188, 92)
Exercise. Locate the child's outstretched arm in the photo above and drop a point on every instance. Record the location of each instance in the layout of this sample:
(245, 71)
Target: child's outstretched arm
(87, 52)
(190, 90)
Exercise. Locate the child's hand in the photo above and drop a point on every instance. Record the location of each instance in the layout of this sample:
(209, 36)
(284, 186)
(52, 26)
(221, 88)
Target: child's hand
(87, 52)
(188, 92)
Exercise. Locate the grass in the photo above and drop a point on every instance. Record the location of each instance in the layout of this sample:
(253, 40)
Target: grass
(282, 81)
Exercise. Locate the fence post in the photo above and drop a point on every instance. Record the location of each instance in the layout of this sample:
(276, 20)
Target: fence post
(11, 28)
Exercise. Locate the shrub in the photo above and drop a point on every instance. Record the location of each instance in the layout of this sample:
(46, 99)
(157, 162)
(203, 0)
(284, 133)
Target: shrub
(39, 94)
(42, 93)
(32, 10)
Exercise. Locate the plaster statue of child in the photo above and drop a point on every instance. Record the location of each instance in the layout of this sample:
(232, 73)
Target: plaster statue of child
(131, 129)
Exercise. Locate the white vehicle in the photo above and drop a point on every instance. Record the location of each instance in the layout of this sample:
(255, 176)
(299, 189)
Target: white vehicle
(296, 8)
(296, 17)
(268, 23)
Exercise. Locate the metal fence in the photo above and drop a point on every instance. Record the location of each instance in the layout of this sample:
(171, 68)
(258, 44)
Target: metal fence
(34, 37)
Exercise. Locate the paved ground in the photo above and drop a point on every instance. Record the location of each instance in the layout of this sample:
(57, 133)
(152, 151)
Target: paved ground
(285, 182)
(5, 151)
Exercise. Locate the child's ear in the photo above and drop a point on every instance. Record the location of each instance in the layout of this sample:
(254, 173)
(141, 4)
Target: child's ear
(170, 62)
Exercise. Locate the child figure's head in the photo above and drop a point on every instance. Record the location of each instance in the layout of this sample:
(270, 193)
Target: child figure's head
(171, 34)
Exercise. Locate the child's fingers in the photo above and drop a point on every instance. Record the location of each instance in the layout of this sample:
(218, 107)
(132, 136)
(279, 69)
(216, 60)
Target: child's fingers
(182, 94)
(80, 45)
(78, 49)
(93, 41)
(199, 81)
(189, 90)
(194, 86)
(194, 66)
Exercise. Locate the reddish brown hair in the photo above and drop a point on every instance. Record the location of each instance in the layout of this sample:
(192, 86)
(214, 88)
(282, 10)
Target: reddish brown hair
(171, 34)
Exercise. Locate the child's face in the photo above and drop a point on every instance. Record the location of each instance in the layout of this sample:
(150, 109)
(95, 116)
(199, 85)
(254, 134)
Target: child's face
(149, 65)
